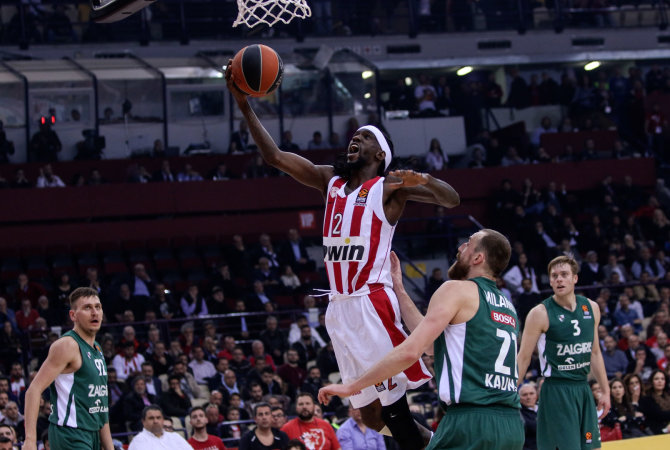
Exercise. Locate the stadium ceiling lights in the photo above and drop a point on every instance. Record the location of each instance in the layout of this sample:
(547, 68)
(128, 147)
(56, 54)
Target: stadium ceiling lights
(367, 74)
(592, 65)
(464, 71)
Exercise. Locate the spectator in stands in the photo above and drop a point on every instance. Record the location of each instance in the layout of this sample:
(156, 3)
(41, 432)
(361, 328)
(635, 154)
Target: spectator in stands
(213, 411)
(135, 401)
(267, 274)
(151, 381)
(519, 96)
(286, 144)
(201, 369)
(217, 302)
(591, 271)
(307, 346)
(161, 359)
(239, 140)
(258, 298)
(266, 434)
(200, 438)
(164, 173)
(616, 362)
(317, 142)
(656, 404)
(274, 339)
(291, 371)
(258, 352)
(645, 262)
(141, 283)
(20, 181)
(664, 361)
(294, 252)
(7, 313)
(655, 126)
(228, 385)
(28, 289)
(625, 315)
(289, 280)
(435, 158)
(15, 419)
(313, 382)
(174, 401)
(45, 145)
(125, 302)
(295, 331)
(153, 435)
(221, 173)
(545, 127)
(232, 432)
(623, 413)
(239, 363)
(242, 406)
(128, 363)
(26, 316)
(307, 427)
(517, 273)
(354, 434)
(528, 395)
(512, 157)
(192, 303)
(189, 174)
(52, 316)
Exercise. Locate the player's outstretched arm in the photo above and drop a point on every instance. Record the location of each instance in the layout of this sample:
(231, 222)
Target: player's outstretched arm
(537, 323)
(408, 310)
(445, 304)
(61, 354)
(598, 364)
(423, 187)
(301, 169)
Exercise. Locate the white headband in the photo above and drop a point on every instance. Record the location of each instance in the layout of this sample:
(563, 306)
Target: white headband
(382, 143)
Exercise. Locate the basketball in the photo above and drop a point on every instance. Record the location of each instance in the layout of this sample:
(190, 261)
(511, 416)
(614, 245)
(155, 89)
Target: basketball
(257, 70)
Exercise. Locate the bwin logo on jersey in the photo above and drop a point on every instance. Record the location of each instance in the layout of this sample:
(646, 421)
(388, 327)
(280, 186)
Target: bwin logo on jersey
(343, 250)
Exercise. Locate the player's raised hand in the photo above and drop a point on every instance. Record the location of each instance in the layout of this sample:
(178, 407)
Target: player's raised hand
(327, 392)
(230, 82)
(407, 178)
(396, 273)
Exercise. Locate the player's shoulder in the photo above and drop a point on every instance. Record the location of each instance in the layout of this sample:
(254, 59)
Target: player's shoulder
(65, 343)
(538, 316)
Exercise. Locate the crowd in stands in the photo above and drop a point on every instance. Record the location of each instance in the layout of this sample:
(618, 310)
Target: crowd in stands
(619, 234)
(66, 22)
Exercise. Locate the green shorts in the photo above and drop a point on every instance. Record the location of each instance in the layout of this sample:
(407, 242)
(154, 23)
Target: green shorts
(566, 416)
(68, 438)
(479, 427)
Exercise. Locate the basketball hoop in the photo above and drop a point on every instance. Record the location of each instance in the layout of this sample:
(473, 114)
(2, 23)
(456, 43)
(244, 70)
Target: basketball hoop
(256, 12)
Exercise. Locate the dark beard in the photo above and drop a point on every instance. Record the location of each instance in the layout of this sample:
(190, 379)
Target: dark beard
(344, 168)
(305, 416)
(458, 271)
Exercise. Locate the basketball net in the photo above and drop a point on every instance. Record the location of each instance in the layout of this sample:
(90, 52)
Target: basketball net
(256, 12)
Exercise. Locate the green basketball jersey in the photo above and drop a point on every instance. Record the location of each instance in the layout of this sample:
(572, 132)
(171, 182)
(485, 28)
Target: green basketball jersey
(565, 349)
(79, 399)
(475, 361)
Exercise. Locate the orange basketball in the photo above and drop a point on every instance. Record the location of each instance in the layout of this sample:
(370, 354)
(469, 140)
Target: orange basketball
(257, 70)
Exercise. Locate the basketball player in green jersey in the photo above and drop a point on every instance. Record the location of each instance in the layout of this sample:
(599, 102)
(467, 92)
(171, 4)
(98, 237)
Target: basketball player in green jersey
(76, 372)
(472, 328)
(565, 329)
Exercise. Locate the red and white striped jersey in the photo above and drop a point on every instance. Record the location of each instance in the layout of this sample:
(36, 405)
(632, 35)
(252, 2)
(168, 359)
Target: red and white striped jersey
(356, 237)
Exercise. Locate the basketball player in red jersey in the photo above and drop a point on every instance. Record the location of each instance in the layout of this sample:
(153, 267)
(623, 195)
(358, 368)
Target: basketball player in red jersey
(362, 209)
